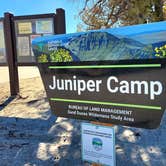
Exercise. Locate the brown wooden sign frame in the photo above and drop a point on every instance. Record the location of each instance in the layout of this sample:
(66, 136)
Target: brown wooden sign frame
(9, 19)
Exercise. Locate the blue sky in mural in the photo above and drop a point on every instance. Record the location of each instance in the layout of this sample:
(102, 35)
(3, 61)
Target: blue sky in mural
(28, 7)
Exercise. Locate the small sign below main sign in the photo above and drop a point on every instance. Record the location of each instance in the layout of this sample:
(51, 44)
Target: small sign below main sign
(98, 144)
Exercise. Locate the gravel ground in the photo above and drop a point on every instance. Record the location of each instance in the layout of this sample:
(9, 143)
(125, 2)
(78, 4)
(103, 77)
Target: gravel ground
(31, 136)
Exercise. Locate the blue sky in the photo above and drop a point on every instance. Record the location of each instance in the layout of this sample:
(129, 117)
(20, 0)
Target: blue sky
(28, 7)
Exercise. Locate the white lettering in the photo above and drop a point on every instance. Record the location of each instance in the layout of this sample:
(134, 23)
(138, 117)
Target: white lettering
(114, 85)
(138, 86)
(109, 83)
(81, 86)
(124, 88)
(156, 89)
(53, 86)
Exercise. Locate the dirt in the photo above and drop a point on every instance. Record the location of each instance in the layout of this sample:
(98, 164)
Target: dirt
(31, 136)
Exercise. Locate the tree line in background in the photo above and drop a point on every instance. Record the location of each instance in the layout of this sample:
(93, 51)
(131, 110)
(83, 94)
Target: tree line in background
(97, 14)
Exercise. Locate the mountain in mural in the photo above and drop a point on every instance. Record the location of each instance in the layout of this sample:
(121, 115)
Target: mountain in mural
(105, 46)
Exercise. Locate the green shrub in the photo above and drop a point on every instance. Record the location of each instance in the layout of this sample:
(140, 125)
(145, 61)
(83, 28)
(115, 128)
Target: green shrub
(160, 51)
(42, 58)
(61, 55)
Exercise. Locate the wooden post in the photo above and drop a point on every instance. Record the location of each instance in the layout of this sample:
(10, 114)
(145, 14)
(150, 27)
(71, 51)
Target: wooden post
(96, 165)
(10, 45)
(102, 124)
(60, 25)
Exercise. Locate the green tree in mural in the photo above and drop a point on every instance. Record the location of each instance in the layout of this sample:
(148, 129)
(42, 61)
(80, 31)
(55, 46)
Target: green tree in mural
(42, 58)
(161, 51)
(61, 55)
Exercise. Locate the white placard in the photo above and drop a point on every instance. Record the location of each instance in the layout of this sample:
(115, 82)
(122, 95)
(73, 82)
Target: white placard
(98, 144)
(44, 26)
(23, 46)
